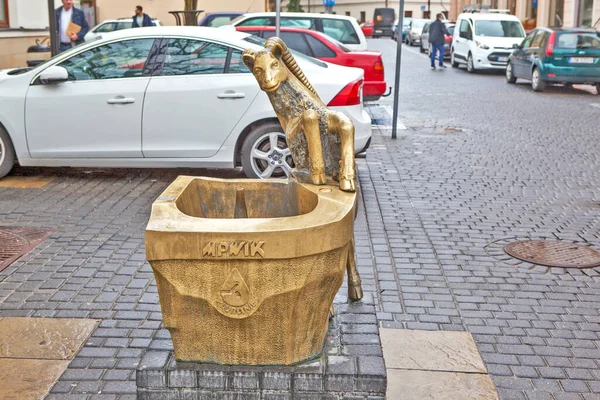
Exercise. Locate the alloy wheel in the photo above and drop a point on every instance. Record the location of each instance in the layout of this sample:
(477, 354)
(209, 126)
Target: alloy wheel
(470, 66)
(2, 151)
(270, 156)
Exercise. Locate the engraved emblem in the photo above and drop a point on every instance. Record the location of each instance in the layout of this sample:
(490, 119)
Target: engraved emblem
(234, 291)
(234, 249)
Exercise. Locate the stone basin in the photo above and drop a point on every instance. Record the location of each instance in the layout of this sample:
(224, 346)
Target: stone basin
(247, 270)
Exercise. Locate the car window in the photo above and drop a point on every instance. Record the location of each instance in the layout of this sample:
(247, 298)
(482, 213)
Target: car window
(340, 29)
(579, 41)
(125, 59)
(219, 21)
(495, 28)
(527, 42)
(465, 29)
(319, 50)
(304, 23)
(261, 42)
(451, 30)
(124, 25)
(418, 23)
(537, 39)
(293, 40)
(258, 21)
(108, 27)
(194, 57)
(236, 65)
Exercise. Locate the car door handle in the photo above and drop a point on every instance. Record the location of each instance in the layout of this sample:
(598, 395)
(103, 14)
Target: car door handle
(230, 94)
(121, 100)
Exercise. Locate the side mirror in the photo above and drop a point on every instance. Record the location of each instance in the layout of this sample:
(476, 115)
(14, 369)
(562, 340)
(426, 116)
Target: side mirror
(53, 75)
(516, 46)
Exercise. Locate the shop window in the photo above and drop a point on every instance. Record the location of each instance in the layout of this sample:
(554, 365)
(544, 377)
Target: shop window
(3, 13)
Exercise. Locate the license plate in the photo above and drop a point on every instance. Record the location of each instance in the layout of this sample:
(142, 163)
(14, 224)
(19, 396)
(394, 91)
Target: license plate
(503, 59)
(581, 60)
(378, 31)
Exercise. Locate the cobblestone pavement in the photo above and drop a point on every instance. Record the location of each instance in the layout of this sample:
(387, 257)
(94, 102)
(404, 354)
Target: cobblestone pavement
(480, 162)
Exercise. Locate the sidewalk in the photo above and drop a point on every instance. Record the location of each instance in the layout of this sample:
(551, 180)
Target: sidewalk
(435, 204)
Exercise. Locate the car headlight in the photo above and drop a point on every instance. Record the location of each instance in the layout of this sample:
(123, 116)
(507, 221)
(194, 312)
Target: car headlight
(482, 45)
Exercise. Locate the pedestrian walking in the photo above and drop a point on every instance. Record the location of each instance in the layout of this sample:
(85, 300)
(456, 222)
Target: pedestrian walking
(141, 19)
(437, 38)
(71, 25)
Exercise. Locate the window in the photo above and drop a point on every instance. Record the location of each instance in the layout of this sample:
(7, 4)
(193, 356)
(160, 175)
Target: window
(347, 13)
(425, 28)
(236, 65)
(219, 21)
(408, 14)
(585, 13)
(108, 27)
(124, 25)
(465, 30)
(259, 21)
(124, 59)
(3, 13)
(579, 41)
(193, 57)
(527, 42)
(319, 50)
(303, 23)
(363, 16)
(340, 29)
(293, 40)
(538, 39)
(495, 28)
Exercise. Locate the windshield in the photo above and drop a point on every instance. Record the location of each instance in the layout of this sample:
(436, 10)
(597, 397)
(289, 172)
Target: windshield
(406, 21)
(507, 29)
(419, 23)
(261, 42)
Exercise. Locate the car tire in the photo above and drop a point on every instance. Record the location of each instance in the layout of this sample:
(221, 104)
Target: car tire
(421, 49)
(261, 139)
(470, 64)
(453, 60)
(598, 89)
(537, 84)
(510, 75)
(7, 153)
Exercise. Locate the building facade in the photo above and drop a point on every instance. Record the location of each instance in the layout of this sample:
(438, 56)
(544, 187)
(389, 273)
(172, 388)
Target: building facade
(537, 13)
(363, 10)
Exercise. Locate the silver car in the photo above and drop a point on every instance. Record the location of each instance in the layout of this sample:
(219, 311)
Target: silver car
(413, 33)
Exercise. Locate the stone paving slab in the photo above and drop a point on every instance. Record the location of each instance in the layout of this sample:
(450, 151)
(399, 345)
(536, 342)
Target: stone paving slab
(431, 351)
(23, 182)
(28, 379)
(433, 385)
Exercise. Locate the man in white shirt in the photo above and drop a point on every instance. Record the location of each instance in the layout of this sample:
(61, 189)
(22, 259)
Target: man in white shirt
(65, 15)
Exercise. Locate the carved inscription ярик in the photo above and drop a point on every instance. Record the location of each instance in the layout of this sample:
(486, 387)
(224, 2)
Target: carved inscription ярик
(234, 249)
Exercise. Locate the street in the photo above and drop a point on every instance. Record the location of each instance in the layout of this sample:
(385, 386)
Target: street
(479, 163)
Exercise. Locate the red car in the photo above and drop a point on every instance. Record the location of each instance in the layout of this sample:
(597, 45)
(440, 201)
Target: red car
(367, 28)
(321, 46)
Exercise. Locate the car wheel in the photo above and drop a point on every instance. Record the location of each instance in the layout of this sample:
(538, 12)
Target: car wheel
(537, 84)
(421, 49)
(453, 60)
(598, 89)
(7, 153)
(510, 76)
(470, 64)
(265, 153)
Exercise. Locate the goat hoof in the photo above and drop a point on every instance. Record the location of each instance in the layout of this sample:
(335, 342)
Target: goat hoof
(347, 185)
(355, 292)
(318, 179)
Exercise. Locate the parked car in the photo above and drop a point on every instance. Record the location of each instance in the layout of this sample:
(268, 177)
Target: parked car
(556, 55)
(485, 40)
(216, 19)
(405, 23)
(340, 27)
(367, 28)
(163, 97)
(383, 19)
(413, 31)
(425, 47)
(321, 46)
(112, 25)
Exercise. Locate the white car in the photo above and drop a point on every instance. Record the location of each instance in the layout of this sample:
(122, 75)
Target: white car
(342, 28)
(160, 97)
(112, 25)
(485, 40)
(414, 30)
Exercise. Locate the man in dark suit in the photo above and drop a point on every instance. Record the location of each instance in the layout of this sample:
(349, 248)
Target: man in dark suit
(140, 19)
(65, 14)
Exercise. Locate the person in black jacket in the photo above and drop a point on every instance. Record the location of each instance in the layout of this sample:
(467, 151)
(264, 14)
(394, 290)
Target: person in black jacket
(141, 19)
(437, 37)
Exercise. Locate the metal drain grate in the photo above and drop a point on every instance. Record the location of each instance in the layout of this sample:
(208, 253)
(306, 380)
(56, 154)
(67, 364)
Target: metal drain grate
(16, 241)
(554, 253)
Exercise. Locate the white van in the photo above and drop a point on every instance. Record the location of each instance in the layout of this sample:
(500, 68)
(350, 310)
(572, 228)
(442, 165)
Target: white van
(340, 27)
(485, 40)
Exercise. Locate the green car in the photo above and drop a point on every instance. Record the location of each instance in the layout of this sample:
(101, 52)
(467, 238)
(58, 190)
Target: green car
(556, 55)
